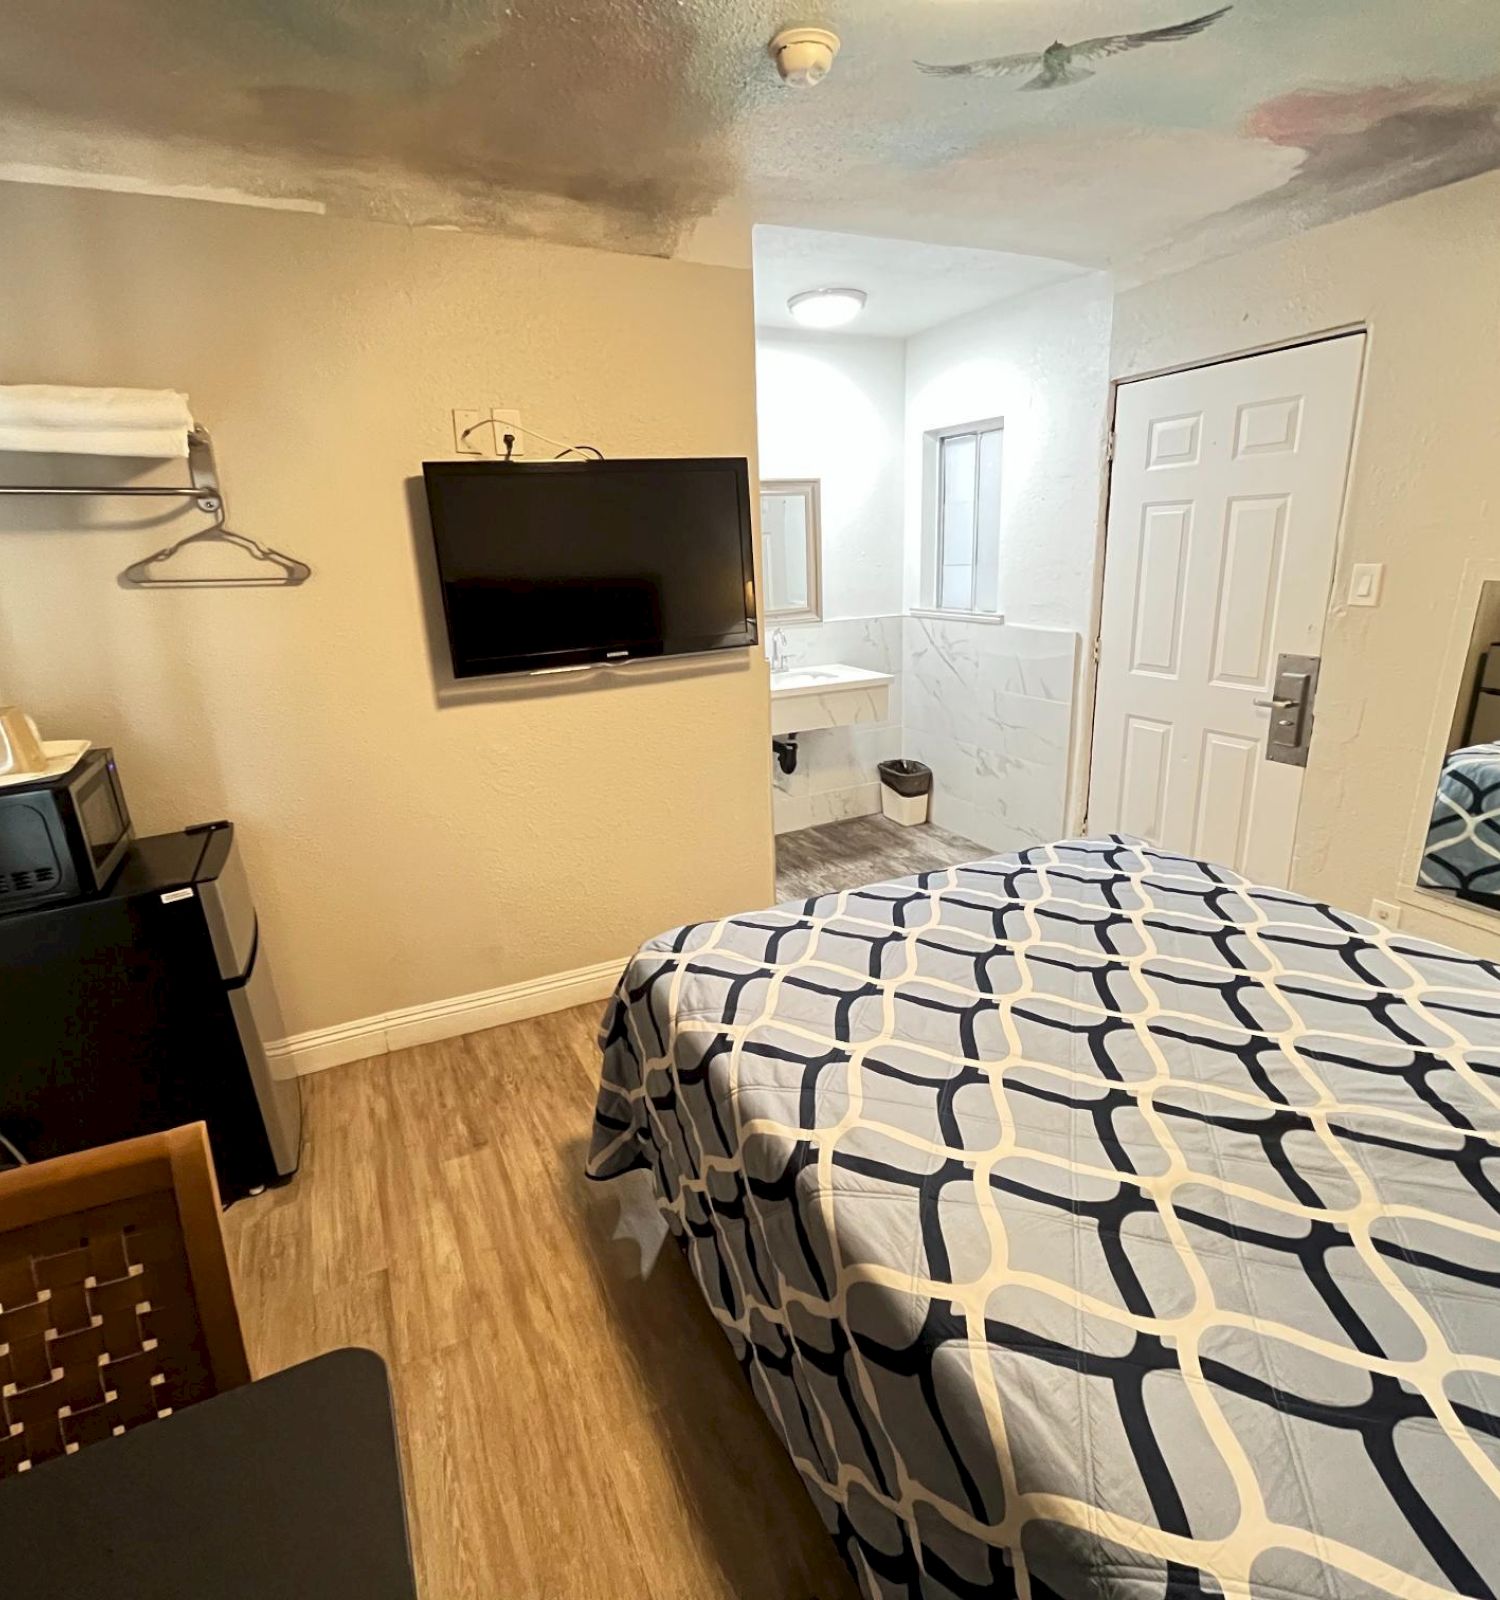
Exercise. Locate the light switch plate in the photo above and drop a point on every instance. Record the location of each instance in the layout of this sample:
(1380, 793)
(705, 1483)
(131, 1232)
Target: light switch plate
(1365, 583)
(478, 443)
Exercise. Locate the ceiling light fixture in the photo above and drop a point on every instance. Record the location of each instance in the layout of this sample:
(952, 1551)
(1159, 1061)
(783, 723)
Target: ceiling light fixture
(826, 308)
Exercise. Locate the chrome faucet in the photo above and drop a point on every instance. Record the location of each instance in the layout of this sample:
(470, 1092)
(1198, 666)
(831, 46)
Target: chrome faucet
(778, 650)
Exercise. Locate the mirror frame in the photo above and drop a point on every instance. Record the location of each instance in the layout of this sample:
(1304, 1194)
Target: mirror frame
(811, 491)
(1433, 902)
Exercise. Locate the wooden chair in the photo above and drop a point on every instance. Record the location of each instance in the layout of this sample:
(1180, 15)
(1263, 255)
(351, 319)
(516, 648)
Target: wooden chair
(116, 1304)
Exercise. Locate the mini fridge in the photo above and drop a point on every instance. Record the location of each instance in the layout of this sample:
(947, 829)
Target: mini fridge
(147, 1006)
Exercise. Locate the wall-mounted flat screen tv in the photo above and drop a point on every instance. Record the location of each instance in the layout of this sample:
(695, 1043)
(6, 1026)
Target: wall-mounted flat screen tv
(564, 564)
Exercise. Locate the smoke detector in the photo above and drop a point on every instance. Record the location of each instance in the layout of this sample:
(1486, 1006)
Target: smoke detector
(803, 56)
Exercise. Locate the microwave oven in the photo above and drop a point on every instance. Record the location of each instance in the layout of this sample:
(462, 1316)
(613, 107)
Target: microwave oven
(62, 837)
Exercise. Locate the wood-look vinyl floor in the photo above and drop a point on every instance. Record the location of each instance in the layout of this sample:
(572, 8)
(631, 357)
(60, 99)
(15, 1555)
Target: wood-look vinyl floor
(845, 855)
(571, 1427)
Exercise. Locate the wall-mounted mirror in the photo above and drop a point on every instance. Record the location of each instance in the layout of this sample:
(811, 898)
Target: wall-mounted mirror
(791, 539)
(1461, 856)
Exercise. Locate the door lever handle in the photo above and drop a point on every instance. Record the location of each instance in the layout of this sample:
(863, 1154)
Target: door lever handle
(1291, 705)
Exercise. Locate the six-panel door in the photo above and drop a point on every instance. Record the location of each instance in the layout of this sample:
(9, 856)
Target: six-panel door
(1225, 497)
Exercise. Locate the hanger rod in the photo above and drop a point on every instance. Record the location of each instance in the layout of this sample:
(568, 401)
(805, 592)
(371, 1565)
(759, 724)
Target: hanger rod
(50, 488)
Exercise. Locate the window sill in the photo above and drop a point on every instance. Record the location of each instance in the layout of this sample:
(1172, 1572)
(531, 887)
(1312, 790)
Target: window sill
(956, 616)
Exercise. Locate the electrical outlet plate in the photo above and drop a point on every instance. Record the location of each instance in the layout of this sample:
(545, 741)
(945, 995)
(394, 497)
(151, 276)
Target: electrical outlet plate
(507, 421)
(478, 443)
(484, 440)
(1386, 912)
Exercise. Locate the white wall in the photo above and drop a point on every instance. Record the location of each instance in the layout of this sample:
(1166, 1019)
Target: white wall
(1424, 496)
(830, 407)
(405, 845)
(1040, 362)
(991, 707)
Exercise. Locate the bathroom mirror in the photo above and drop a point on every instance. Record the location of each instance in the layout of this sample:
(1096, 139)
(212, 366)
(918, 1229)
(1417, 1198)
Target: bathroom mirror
(1461, 854)
(791, 537)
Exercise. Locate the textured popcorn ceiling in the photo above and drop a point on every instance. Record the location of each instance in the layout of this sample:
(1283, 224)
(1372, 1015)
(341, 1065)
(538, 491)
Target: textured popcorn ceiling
(624, 123)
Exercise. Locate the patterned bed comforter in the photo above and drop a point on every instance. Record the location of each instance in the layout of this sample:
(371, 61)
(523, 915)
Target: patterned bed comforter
(1092, 1222)
(1463, 840)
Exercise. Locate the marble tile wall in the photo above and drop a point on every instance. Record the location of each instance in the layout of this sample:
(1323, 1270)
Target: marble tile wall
(836, 774)
(989, 707)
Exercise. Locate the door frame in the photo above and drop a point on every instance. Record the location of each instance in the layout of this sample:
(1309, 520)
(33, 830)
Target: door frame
(1080, 791)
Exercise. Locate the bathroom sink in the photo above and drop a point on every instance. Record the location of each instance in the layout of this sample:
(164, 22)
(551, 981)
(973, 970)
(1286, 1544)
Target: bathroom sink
(818, 680)
(805, 698)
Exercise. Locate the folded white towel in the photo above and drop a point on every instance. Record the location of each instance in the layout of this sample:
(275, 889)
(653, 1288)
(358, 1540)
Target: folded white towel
(55, 419)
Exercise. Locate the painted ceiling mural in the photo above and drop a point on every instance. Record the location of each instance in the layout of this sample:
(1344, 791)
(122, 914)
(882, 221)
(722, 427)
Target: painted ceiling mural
(1166, 132)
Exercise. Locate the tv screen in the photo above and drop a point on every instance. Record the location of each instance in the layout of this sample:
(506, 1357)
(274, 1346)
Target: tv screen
(558, 564)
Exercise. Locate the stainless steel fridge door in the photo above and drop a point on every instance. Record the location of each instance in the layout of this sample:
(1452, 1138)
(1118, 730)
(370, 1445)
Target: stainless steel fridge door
(230, 913)
(257, 1014)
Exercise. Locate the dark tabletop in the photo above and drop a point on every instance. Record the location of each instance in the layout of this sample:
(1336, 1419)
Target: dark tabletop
(286, 1489)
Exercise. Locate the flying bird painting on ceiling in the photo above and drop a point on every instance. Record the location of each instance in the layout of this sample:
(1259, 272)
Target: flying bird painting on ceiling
(1061, 64)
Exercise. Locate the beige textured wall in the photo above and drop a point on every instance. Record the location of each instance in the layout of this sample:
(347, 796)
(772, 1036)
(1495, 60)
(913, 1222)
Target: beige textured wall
(403, 850)
(1424, 276)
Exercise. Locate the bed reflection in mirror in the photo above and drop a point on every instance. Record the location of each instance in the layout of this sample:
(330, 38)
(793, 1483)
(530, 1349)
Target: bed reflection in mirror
(1462, 852)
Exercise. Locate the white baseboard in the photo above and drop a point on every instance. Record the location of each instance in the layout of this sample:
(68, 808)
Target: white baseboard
(445, 1019)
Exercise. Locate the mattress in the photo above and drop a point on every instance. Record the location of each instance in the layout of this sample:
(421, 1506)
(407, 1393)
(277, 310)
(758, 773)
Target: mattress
(1092, 1222)
(1462, 853)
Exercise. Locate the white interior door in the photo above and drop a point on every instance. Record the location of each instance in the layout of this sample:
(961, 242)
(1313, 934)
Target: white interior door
(1225, 496)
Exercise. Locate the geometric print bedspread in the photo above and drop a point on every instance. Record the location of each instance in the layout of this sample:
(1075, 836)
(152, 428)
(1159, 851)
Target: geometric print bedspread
(1462, 853)
(1092, 1222)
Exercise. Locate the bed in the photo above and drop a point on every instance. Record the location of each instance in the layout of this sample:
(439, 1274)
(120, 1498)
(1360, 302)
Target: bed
(1462, 853)
(1092, 1222)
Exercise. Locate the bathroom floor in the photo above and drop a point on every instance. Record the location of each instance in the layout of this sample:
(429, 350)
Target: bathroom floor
(845, 855)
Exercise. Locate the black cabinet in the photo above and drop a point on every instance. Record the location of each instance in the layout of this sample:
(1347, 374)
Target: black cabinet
(146, 1007)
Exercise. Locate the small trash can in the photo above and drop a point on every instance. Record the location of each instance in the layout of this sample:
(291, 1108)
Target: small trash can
(905, 790)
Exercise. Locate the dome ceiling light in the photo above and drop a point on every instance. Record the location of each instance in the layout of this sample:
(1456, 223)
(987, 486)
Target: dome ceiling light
(826, 308)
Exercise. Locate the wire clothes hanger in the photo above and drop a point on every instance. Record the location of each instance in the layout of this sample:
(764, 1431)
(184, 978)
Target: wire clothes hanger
(288, 573)
(205, 492)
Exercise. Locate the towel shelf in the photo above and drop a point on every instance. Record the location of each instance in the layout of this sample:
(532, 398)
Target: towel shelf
(201, 468)
(204, 490)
